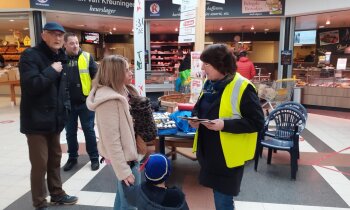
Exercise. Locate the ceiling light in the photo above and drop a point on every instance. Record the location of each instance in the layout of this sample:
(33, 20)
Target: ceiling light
(114, 29)
(328, 22)
(81, 25)
(25, 28)
(252, 28)
(110, 32)
(266, 29)
(12, 20)
(221, 28)
(321, 26)
(176, 29)
(132, 30)
(207, 32)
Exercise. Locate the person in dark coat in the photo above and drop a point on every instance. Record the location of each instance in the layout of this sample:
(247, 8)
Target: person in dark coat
(43, 111)
(223, 144)
(153, 194)
(2, 61)
(310, 57)
(81, 70)
(183, 82)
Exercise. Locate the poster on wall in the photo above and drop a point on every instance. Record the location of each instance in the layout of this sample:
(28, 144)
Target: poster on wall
(196, 76)
(139, 43)
(286, 57)
(272, 7)
(329, 37)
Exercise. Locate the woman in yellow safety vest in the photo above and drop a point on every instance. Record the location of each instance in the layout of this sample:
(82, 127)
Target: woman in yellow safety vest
(228, 138)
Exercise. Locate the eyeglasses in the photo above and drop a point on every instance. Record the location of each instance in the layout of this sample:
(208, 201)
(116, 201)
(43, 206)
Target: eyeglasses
(55, 33)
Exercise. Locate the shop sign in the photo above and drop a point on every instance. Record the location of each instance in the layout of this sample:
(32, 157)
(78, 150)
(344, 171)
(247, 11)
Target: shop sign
(139, 43)
(187, 38)
(341, 65)
(26, 41)
(187, 31)
(187, 5)
(121, 8)
(232, 8)
(188, 15)
(188, 23)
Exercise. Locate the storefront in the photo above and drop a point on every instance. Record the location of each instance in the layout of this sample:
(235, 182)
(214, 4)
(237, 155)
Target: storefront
(321, 59)
(240, 24)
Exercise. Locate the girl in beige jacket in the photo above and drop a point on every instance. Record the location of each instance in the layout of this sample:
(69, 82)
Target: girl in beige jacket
(109, 99)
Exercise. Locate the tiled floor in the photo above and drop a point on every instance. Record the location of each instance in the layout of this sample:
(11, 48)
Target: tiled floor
(323, 179)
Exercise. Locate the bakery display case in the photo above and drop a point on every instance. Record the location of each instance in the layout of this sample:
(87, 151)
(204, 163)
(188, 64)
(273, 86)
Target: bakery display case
(159, 81)
(324, 86)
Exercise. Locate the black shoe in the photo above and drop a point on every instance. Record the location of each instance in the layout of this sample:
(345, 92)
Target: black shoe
(70, 164)
(95, 165)
(64, 200)
(42, 208)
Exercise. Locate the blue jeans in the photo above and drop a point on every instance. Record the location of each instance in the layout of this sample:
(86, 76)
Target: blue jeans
(223, 201)
(87, 118)
(120, 203)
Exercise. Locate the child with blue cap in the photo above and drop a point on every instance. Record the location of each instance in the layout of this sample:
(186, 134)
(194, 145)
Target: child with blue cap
(153, 194)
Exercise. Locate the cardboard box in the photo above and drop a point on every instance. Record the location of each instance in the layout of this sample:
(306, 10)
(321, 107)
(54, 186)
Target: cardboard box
(4, 76)
(12, 74)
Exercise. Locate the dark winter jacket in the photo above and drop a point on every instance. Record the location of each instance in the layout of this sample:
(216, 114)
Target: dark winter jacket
(149, 197)
(75, 88)
(186, 63)
(214, 173)
(44, 101)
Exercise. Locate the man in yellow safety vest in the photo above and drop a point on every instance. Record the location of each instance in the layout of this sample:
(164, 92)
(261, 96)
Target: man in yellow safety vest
(81, 68)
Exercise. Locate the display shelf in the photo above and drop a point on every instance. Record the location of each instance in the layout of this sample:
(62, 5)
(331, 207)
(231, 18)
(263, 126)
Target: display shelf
(165, 55)
(11, 53)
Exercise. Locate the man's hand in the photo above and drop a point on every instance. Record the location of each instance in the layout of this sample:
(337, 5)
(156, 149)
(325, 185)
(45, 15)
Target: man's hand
(57, 66)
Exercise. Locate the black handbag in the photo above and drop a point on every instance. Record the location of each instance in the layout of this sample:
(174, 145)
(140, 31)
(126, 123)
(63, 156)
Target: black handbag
(141, 112)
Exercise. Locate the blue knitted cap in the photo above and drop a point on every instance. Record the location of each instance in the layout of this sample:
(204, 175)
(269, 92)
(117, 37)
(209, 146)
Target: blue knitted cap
(157, 168)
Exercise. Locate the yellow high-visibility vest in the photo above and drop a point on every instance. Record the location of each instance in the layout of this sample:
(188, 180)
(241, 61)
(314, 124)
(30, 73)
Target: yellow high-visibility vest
(84, 73)
(237, 148)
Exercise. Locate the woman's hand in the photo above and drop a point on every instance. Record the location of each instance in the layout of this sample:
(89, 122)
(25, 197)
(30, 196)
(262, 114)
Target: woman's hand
(215, 125)
(193, 123)
(130, 180)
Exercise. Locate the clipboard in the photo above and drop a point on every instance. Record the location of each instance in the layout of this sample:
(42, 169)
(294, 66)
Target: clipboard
(196, 119)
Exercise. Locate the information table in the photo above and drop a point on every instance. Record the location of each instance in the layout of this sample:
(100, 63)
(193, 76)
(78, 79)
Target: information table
(180, 139)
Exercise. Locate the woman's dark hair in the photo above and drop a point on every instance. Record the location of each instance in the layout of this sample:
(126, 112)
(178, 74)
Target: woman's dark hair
(220, 57)
(243, 54)
(186, 63)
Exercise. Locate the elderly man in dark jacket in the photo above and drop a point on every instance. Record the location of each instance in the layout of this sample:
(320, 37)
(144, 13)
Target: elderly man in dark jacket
(44, 107)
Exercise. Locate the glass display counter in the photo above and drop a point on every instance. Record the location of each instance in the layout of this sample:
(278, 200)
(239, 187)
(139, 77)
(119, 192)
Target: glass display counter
(157, 81)
(324, 86)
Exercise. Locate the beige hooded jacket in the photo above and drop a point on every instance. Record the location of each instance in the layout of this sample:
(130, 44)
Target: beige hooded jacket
(115, 127)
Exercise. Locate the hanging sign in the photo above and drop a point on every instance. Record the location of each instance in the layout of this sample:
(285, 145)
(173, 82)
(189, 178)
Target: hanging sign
(26, 41)
(139, 46)
(196, 76)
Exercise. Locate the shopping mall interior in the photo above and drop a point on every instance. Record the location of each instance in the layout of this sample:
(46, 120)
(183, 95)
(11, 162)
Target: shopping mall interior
(323, 177)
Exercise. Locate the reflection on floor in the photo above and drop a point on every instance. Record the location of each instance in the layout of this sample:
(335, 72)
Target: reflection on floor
(323, 179)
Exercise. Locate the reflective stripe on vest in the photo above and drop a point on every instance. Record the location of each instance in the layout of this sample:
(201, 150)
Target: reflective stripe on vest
(84, 73)
(237, 148)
